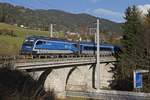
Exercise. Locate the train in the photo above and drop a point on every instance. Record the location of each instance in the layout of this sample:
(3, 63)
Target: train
(40, 45)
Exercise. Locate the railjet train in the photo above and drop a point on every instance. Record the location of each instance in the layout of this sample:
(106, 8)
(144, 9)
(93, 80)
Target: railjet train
(39, 45)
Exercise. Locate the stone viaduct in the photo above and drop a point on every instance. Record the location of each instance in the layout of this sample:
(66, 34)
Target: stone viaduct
(73, 77)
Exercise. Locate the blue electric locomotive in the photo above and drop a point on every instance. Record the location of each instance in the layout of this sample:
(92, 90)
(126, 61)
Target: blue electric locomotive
(43, 45)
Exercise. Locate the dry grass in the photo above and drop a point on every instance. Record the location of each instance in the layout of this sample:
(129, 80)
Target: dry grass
(11, 45)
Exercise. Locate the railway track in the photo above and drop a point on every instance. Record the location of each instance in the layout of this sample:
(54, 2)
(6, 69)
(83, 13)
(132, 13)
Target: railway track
(45, 58)
(14, 57)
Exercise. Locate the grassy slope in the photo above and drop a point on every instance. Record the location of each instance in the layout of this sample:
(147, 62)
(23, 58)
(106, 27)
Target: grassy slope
(11, 45)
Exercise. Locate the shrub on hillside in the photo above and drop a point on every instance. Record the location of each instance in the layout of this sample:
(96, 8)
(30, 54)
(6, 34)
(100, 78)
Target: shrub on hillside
(8, 32)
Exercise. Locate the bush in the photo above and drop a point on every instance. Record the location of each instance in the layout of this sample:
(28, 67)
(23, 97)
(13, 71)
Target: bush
(16, 85)
(7, 32)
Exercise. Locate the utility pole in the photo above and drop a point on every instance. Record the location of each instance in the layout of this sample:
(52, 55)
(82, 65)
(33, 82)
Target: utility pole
(95, 38)
(98, 58)
(90, 31)
(51, 30)
(93, 30)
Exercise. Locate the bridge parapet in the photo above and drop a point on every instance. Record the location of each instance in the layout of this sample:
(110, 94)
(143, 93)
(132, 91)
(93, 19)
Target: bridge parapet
(58, 62)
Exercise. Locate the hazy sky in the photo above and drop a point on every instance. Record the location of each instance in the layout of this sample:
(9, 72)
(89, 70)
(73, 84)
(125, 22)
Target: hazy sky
(108, 9)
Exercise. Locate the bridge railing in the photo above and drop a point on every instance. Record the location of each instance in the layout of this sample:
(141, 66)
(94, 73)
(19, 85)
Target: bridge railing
(54, 60)
(6, 57)
(23, 59)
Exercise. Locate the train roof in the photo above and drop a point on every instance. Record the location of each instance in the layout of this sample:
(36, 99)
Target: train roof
(34, 38)
(92, 43)
(83, 42)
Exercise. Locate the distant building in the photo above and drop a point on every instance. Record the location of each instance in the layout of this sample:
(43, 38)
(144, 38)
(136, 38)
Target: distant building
(22, 26)
(72, 33)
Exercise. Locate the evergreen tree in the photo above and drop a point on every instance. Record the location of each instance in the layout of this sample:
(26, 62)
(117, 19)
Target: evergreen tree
(123, 71)
(144, 43)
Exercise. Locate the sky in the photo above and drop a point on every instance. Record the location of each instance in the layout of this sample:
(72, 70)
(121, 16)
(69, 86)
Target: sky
(108, 9)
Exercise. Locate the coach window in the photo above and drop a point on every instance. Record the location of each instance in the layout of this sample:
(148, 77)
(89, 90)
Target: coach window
(75, 45)
(88, 48)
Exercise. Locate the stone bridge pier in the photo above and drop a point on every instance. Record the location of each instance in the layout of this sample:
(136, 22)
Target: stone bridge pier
(74, 78)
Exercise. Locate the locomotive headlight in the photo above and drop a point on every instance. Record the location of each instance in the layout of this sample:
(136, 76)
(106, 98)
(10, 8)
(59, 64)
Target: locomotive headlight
(26, 40)
(31, 40)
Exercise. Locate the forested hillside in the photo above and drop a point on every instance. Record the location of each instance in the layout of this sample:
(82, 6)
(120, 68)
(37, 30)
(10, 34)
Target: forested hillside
(41, 19)
(37, 22)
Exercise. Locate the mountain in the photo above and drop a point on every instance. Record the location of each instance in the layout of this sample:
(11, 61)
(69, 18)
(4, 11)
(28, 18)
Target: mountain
(41, 19)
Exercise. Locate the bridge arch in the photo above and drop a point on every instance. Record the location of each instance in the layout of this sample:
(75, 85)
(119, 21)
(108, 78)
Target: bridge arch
(77, 79)
(42, 78)
(71, 78)
(56, 79)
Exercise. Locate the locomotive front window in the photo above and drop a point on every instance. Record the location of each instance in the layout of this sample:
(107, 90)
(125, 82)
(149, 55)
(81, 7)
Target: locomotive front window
(40, 42)
(28, 43)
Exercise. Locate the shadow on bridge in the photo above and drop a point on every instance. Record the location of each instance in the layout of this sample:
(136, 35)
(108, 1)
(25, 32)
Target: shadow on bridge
(44, 75)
